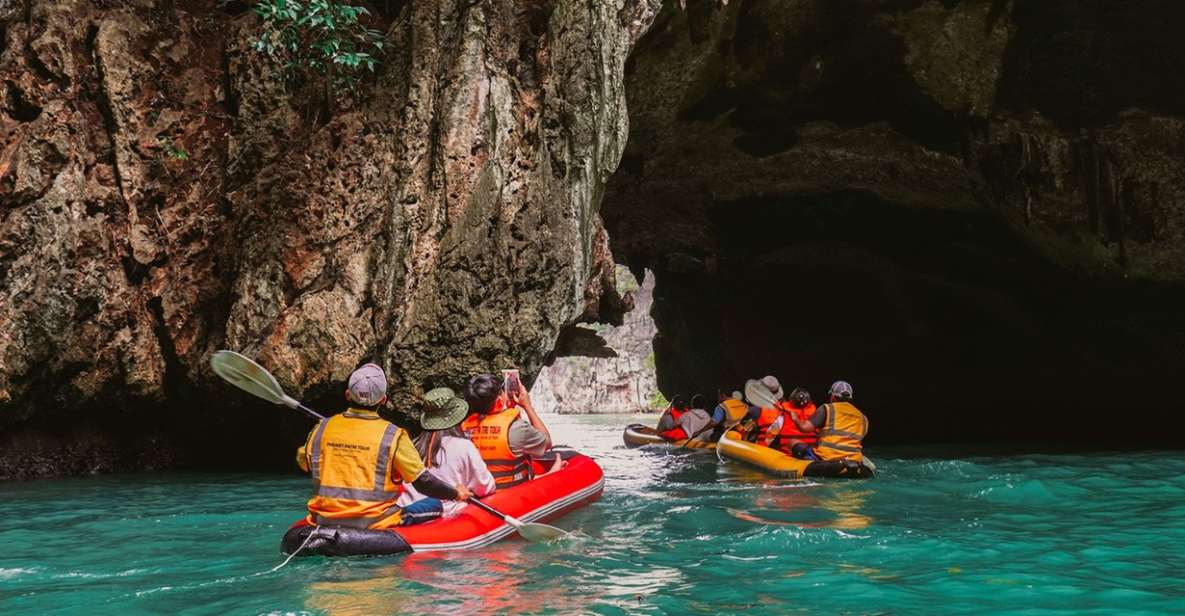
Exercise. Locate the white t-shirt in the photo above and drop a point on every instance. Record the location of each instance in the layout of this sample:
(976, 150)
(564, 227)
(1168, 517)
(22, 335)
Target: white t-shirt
(457, 463)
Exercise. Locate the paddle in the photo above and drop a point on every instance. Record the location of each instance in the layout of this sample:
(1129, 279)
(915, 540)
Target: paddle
(527, 530)
(254, 379)
(692, 437)
(759, 395)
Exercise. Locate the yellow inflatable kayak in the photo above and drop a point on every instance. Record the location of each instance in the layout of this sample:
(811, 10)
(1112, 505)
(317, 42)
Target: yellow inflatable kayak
(777, 463)
(638, 435)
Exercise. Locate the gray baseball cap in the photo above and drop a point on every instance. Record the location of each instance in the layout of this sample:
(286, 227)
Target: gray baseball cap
(841, 389)
(368, 385)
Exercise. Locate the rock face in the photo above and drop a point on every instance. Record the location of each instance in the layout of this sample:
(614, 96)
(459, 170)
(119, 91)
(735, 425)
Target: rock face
(621, 383)
(965, 207)
(163, 194)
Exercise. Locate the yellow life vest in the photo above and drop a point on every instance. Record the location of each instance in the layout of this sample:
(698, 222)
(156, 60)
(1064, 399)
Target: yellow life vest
(351, 460)
(491, 434)
(734, 410)
(841, 438)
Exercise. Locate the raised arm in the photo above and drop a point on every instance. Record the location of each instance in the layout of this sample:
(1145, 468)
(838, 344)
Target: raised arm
(523, 398)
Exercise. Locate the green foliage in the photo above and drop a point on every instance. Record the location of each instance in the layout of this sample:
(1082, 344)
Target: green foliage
(659, 401)
(319, 38)
(650, 362)
(171, 150)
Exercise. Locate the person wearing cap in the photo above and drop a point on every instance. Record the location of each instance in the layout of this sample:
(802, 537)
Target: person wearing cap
(506, 429)
(840, 425)
(447, 453)
(360, 464)
(792, 439)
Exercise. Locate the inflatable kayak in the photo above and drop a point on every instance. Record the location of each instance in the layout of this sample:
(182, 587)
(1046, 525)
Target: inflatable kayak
(784, 465)
(548, 497)
(638, 435)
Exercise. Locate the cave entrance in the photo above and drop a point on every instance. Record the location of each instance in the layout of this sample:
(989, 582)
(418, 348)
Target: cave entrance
(948, 326)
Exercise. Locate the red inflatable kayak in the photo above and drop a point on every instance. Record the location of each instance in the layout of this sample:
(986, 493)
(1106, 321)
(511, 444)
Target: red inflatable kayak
(579, 483)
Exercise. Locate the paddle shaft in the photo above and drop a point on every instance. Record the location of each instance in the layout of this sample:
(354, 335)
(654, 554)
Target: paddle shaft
(495, 512)
(692, 437)
(310, 412)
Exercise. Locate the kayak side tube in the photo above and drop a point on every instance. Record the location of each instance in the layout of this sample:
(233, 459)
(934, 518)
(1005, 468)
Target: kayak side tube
(638, 435)
(579, 483)
(781, 464)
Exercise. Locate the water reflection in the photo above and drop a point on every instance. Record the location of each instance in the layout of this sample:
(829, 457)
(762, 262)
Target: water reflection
(839, 506)
(510, 578)
(380, 592)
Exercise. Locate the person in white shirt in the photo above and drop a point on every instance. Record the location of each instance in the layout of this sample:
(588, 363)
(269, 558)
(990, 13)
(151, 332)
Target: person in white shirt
(447, 452)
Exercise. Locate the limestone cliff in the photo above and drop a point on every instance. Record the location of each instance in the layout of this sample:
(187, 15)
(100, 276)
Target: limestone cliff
(163, 194)
(621, 380)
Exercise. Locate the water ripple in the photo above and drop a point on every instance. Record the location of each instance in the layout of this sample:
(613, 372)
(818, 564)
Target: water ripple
(675, 533)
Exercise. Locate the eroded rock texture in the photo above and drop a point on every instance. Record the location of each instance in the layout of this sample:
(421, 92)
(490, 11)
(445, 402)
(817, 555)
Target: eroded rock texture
(972, 209)
(617, 376)
(164, 194)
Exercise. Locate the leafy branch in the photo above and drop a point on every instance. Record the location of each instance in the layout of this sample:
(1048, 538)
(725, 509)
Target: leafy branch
(319, 38)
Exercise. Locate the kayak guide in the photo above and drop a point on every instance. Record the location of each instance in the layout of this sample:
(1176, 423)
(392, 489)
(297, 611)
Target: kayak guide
(349, 456)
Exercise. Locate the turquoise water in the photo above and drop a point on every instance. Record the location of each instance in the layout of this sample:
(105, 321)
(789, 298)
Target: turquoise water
(673, 534)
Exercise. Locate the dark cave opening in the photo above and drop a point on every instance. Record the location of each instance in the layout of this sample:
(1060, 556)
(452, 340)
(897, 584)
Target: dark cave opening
(948, 326)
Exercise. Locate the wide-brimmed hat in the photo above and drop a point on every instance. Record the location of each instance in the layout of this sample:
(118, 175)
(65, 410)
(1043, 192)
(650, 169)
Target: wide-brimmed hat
(771, 383)
(763, 392)
(443, 409)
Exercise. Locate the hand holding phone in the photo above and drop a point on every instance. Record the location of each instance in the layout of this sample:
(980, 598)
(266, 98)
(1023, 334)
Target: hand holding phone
(512, 385)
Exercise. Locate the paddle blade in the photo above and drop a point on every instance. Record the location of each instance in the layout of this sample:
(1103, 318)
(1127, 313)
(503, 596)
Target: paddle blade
(249, 377)
(541, 532)
(758, 395)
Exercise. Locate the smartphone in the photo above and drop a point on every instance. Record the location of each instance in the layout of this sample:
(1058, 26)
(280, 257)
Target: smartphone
(511, 384)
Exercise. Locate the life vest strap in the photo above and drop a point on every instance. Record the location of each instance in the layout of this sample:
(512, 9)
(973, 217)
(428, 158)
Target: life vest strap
(384, 456)
(365, 522)
(511, 472)
(833, 432)
(315, 454)
(358, 494)
(830, 445)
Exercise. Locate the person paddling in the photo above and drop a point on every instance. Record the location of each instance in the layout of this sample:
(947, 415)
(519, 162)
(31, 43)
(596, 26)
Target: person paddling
(768, 419)
(692, 423)
(360, 464)
(840, 425)
(447, 453)
(506, 429)
(730, 411)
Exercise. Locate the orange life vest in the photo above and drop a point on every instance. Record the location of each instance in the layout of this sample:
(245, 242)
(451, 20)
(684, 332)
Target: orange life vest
(676, 433)
(491, 434)
(844, 433)
(355, 483)
(766, 419)
(791, 431)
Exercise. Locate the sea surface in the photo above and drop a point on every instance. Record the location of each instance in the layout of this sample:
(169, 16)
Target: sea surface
(673, 534)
